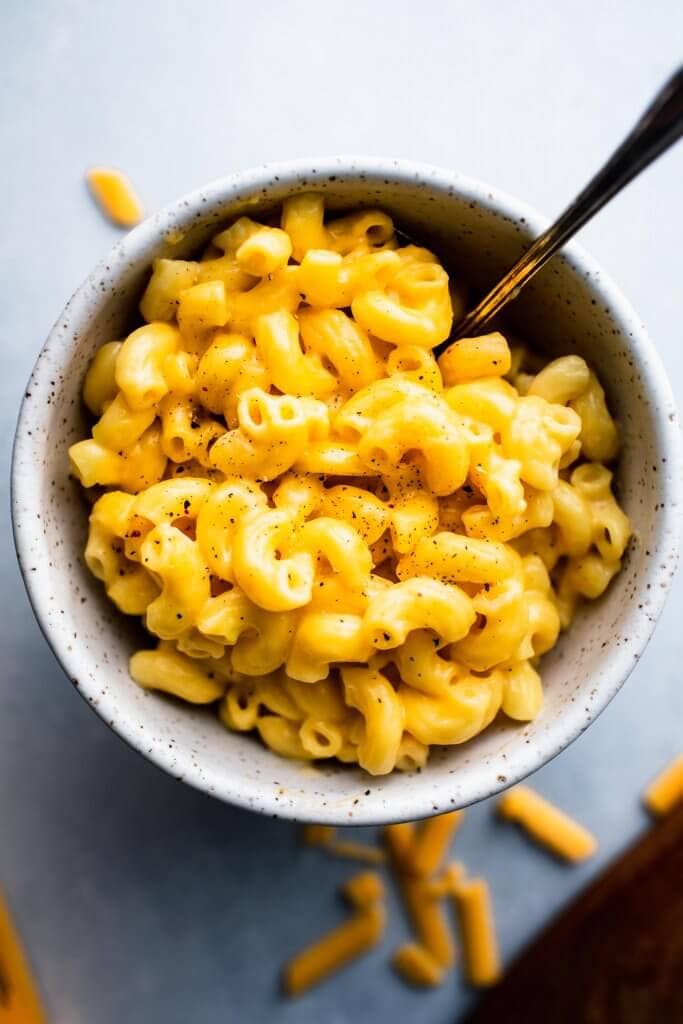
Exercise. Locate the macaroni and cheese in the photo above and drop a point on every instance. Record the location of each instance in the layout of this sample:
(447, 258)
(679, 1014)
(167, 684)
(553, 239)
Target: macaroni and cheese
(351, 547)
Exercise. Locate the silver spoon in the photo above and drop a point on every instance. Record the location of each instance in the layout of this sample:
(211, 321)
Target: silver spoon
(660, 126)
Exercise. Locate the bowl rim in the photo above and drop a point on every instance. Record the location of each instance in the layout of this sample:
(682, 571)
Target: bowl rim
(421, 799)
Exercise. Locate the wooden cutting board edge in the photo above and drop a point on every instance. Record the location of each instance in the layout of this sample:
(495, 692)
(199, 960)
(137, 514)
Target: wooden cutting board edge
(615, 956)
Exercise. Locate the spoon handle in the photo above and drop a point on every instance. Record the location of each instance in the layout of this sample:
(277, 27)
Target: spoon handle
(660, 126)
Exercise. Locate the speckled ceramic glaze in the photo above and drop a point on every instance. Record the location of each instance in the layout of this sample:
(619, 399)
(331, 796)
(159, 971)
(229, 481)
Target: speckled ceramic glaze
(570, 307)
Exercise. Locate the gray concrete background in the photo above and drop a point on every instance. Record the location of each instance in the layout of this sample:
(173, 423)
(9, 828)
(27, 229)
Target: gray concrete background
(140, 900)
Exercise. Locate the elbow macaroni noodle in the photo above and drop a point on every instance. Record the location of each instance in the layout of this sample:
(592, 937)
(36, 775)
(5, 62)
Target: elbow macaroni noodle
(357, 550)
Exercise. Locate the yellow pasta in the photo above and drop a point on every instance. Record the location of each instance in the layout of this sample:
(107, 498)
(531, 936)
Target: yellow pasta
(292, 371)
(454, 717)
(140, 364)
(228, 367)
(562, 380)
(547, 824)
(383, 717)
(664, 792)
(373, 547)
(475, 913)
(271, 577)
(419, 312)
(264, 252)
(323, 637)
(260, 641)
(115, 194)
(334, 336)
(522, 692)
(170, 278)
(176, 563)
(230, 240)
(302, 220)
(599, 435)
(360, 230)
(278, 733)
(488, 356)
(100, 387)
(174, 673)
(368, 515)
(119, 426)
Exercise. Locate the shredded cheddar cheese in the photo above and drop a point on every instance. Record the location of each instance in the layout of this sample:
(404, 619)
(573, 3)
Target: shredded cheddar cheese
(399, 840)
(115, 195)
(547, 824)
(364, 890)
(19, 1001)
(482, 959)
(325, 835)
(417, 965)
(432, 842)
(356, 851)
(318, 835)
(666, 790)
(427, 918)
(447, 882)
(344, 943)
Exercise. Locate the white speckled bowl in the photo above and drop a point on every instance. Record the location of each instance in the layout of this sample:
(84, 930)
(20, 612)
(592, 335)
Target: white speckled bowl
(570, 307)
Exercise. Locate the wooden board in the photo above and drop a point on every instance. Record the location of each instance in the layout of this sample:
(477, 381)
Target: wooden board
(615, 956)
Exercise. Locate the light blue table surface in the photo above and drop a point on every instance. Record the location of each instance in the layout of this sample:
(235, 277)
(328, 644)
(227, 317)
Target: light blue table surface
(139, 899)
